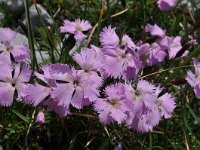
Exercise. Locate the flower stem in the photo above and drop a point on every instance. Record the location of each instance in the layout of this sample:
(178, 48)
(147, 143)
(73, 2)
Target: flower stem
(34, 64)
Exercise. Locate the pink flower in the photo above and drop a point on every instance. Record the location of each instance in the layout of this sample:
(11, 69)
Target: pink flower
(148, 106)
(114, 107)
(76, 89)
(166, 5)
(89, 59)
(76, 27)
(40, 117)
(62, 111)
(127, 41)
(119, 63)
(143, 96)
(194, 79)
(166, 105)
(108, 37)
(151, 54)
(7, 49)
(172, 44)
(155, 30)
(12, 78)
(34, 94)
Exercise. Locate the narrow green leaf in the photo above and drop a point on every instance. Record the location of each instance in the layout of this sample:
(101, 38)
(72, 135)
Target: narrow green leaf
(24, 118)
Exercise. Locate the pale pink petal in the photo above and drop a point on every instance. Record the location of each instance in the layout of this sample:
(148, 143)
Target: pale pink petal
(62, 94)
(108, 36)
(6, 94)
(68, 26)
(82, 25)
(20, 53)
(77, 99)
(35, 94)
(118, 115)
(79, 35)
(154, 30)
(62, 111)
(5, 58)
(6, 72)
(7, 35)
(191, 79)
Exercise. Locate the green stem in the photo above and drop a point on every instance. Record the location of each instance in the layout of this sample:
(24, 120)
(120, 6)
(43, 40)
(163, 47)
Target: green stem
(150, 141)
(99, 22)
(49, 36)
(34, 64)
(108, 11)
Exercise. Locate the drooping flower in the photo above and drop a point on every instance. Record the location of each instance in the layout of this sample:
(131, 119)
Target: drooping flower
(194, 78)
(151, 54)
(172, 44)
(62, 111)
(12, 78)
(166, 5)
(155, 30)
(9, 50)
(40, 117)
(114, 107)
(192, 42)
(76, 27)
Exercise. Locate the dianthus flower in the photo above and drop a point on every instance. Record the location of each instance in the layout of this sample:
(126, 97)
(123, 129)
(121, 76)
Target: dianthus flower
(9, 50)
(40, 117)
(166, 5)
(36, 94)
(155, 30)
(12, 78)
(108, 37)
(91, 62)
(121, 60)
(110, 40)
(149, 106)
(114, 107)
(171, 44)
(194, 79)
(151, 54)
(75, 88)
(143, 96)
(76, 27)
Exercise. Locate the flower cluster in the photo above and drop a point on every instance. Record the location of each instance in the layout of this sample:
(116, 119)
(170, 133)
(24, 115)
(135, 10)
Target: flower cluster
(138, 104)
(164, 46)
